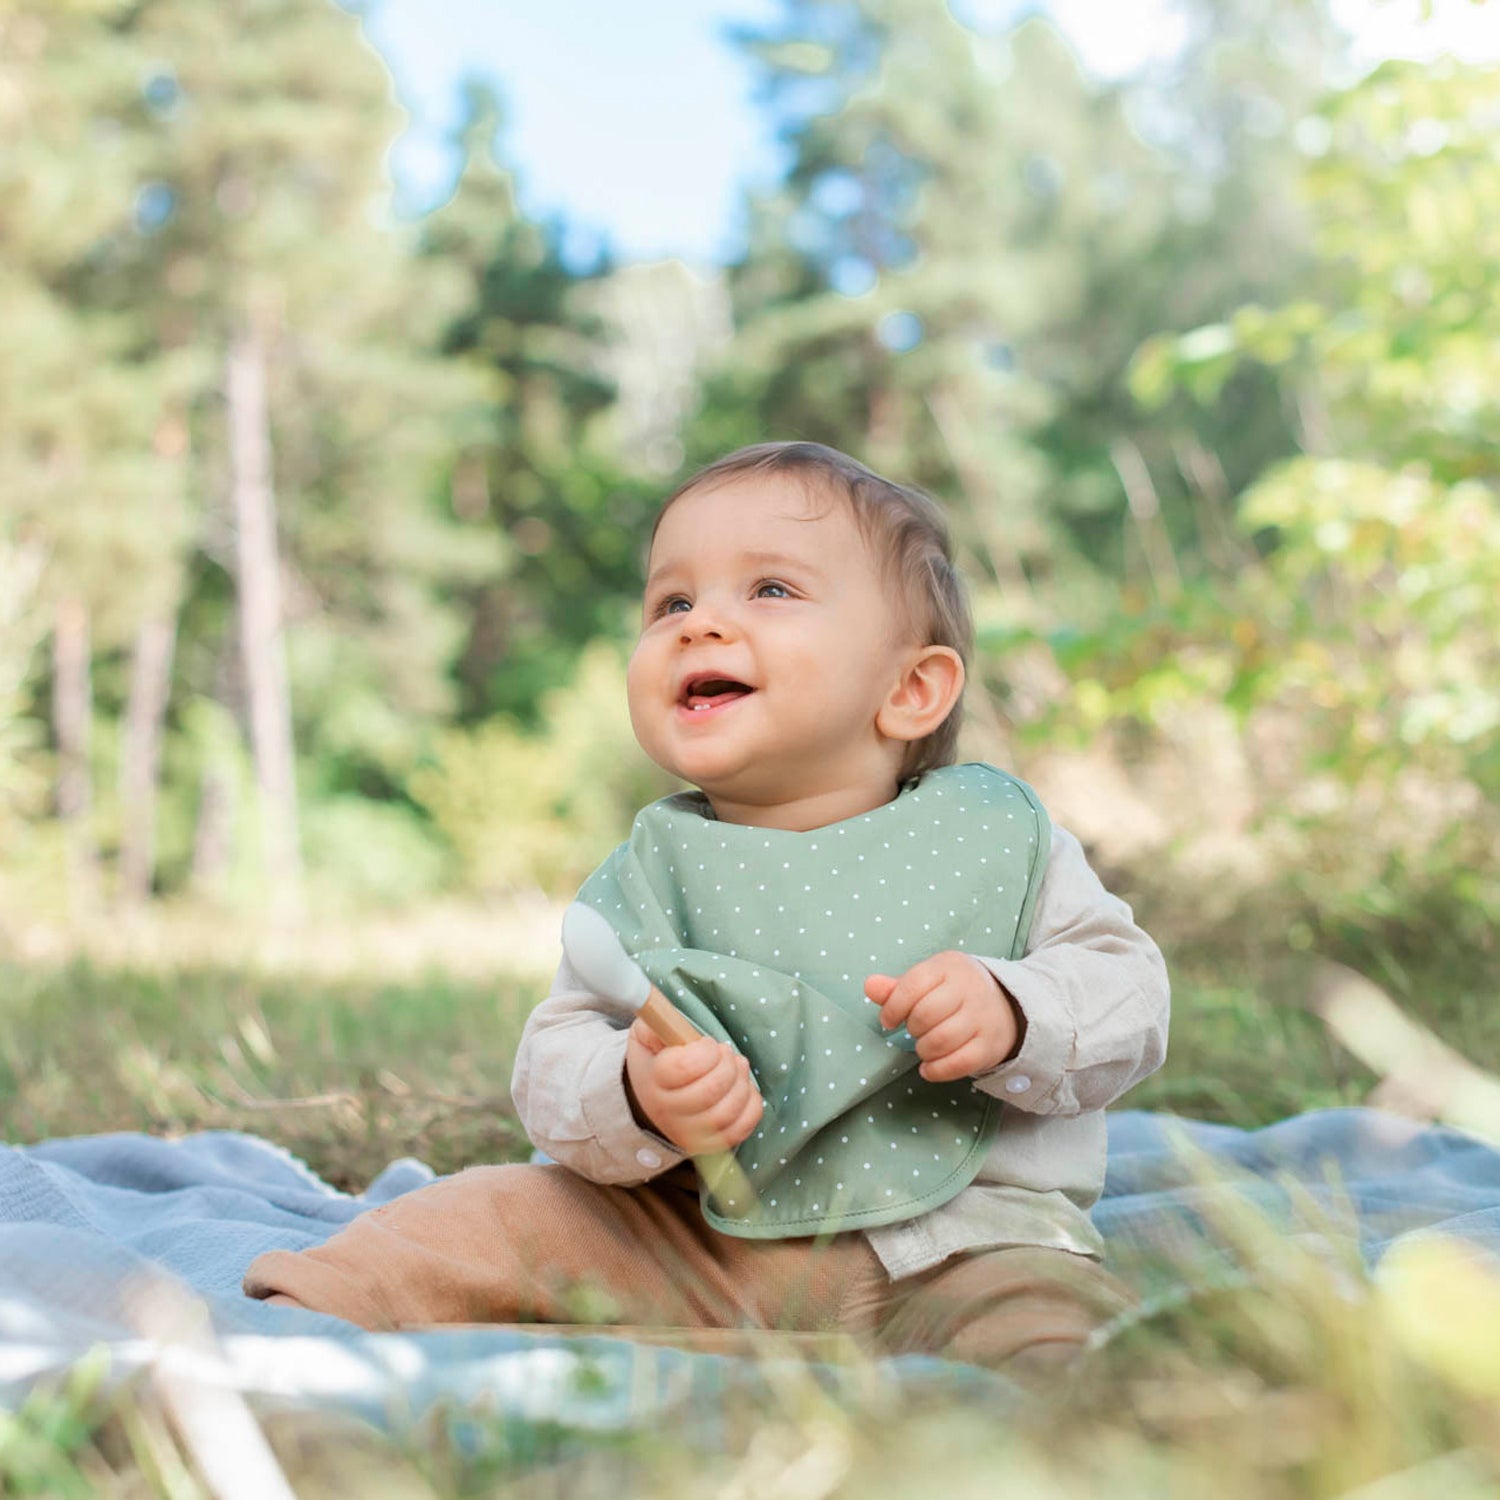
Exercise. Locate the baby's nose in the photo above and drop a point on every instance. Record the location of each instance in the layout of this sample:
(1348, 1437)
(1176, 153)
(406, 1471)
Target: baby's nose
(703, 622)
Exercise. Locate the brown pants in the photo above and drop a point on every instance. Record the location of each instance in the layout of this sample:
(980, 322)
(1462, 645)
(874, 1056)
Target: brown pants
(539, 1244)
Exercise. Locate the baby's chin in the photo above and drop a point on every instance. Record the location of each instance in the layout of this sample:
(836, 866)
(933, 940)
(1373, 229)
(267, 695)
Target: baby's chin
(709, 761)
(743, 786)
(761, 802)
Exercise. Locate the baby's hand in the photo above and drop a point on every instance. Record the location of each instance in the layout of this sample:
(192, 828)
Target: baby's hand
(964, 1023)
(699, 1096)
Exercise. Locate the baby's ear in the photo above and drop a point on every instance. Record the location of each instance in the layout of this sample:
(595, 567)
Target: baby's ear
(924, 695)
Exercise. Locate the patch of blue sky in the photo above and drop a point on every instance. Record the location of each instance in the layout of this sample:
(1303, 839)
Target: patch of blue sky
(636, 123)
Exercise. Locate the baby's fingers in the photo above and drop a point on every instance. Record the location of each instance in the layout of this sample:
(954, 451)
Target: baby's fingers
(642, 1034)
(947, 1036)
(745, 1122)
(701, 1090)
(937, 1007)
(965, 1062)
(681, 1067)
(724, 1124)
(904, 994)
(729, 1106)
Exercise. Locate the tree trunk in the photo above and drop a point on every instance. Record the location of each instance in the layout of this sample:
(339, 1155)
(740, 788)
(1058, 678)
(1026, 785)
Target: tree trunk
(213, 833)
(218, 787)
(72, 719)
(140, 758)
(259, 587)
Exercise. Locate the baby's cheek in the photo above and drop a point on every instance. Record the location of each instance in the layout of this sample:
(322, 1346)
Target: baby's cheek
(649, 719)
(635, 698)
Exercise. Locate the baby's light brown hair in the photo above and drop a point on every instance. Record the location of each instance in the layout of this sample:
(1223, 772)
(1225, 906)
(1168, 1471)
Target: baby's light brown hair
(904, 528)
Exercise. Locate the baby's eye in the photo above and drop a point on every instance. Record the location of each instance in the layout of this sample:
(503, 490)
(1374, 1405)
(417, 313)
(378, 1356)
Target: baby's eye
(675, 604)
(770, 589)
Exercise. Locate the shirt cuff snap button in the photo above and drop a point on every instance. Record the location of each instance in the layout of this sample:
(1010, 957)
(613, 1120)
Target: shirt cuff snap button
(648, 1158)
(1017, 1085)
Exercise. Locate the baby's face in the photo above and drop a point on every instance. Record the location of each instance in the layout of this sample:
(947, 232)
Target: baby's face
(769, 642)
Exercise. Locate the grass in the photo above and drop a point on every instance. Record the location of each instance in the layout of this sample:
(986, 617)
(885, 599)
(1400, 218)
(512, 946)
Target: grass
(351, 1073)
(1306, 1384)
(346, 1074)
(1302, 1386)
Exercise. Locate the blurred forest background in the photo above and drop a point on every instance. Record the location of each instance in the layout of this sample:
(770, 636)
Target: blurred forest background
(320, 534)
(320, 528)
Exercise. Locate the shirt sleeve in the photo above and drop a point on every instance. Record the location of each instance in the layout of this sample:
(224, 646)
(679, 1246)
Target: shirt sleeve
(569, 1088)
(1093, 989)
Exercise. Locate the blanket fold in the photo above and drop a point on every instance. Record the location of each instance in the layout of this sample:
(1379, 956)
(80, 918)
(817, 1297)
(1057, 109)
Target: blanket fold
(83, 1219)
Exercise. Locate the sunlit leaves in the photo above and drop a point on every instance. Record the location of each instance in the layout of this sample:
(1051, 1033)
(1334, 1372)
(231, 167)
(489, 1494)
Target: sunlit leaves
(1440, 1298)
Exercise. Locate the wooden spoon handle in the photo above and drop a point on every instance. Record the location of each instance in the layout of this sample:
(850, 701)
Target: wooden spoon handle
(667, 1021)
(722, 1174)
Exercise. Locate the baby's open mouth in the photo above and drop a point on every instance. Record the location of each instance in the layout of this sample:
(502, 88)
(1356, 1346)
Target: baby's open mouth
(702, 693)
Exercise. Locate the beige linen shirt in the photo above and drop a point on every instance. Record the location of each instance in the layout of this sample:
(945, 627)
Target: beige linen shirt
(1093, 989)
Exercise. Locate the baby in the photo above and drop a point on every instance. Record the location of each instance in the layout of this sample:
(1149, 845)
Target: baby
(916, 996)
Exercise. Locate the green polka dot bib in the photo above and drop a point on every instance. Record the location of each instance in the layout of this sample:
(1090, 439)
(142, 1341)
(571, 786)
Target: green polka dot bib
(765, 938)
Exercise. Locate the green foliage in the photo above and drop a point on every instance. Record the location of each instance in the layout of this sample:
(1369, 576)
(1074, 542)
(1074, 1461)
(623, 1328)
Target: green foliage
(20, 630)
(1359, 660)
(1357, 641)
(270, 161)
(542, 807)
(1397, 342)
(973, 244)
(528, 454)
(236, 186)
(372, 853)
(81, 399)
(972, 239)
(1390, 583)
(45, 1441)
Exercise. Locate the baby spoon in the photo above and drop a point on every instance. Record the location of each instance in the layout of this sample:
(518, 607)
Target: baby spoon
(595, 951)
(603, 964)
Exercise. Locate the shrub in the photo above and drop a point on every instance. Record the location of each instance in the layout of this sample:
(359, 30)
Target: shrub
(542, 809)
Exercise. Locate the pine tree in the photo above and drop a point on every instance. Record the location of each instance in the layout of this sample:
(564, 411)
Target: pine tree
(292, 310)
(971, 242)
(534, 456)
(81, 403)
(188, 221)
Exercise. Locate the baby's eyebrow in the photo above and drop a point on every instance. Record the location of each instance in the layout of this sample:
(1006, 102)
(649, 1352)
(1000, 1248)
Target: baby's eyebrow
(665, 570)
(783, 560)
(754, 559)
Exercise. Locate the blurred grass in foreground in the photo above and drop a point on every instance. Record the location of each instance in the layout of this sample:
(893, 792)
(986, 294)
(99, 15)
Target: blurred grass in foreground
(1312, 1380)
(1317, 1380)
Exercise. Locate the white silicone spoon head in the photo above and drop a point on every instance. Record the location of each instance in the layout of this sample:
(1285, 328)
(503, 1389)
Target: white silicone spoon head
(601, 962)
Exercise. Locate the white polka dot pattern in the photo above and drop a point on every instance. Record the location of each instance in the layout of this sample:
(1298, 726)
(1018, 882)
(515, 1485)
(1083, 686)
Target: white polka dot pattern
(764, 938)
